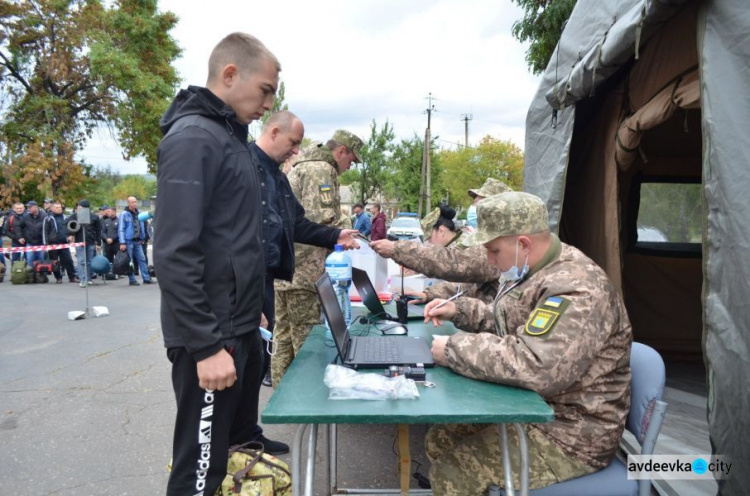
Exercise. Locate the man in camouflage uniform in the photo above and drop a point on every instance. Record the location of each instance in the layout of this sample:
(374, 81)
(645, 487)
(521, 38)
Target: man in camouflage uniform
(557, 327)
(315, 183)
(457, 264)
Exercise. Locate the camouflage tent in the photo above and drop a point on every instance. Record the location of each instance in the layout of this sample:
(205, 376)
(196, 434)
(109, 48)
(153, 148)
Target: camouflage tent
(638, 142)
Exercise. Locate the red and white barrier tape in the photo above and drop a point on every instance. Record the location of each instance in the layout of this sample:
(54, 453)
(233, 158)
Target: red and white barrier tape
(23, 249)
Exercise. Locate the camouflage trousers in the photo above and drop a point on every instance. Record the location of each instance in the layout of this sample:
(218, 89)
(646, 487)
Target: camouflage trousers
(297, 311)
(466, 459)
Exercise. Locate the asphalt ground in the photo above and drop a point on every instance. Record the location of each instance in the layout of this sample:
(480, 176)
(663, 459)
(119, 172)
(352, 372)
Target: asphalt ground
(87, 408)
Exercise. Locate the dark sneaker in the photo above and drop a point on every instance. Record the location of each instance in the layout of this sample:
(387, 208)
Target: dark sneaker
(273, 447)
(267, 380)
(75, 279)
(135, 283)
(149, 282)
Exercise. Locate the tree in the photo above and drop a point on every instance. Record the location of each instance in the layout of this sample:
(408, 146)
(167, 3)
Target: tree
(468, 168)
(368, 178)
(134, 185)
(542, 25)
(406, 171)
(68, 67)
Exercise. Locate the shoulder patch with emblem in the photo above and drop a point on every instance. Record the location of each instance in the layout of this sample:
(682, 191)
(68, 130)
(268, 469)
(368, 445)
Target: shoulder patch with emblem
(545, 316)
(326, 194)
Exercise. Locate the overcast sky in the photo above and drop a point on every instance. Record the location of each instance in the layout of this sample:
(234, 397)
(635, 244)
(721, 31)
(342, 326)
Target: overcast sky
(345, 63)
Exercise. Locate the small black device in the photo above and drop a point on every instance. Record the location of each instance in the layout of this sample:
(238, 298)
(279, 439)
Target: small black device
(402, 310)
(416, 372)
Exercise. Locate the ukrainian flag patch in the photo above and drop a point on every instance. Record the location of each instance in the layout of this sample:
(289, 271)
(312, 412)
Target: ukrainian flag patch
(554, 302)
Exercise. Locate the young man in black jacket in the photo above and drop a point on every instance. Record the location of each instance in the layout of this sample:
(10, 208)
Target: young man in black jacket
(210, 259)
(56, 232)
(14, 229)
(33, 231)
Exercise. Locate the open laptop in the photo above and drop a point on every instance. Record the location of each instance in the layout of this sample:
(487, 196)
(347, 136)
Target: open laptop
(370, 298)
(364, 351)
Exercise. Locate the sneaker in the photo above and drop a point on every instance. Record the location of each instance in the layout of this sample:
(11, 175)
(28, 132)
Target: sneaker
(75, 279)
(273, 447)
(149, 282)
(58, 281)
(135, 283)
(267, 379)
(82, 284)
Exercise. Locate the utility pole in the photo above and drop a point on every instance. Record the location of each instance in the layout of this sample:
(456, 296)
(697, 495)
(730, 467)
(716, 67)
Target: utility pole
(425, 188)
(466, 118)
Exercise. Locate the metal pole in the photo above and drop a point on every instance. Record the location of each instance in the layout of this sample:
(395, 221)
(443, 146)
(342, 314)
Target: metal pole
(428, 178)
(86, 268)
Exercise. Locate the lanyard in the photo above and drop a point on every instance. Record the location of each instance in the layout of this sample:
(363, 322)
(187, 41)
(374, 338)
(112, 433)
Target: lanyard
(502, 292)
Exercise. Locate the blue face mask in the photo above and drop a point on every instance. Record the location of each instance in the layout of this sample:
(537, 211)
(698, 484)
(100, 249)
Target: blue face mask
(471, 216)
(514, 273)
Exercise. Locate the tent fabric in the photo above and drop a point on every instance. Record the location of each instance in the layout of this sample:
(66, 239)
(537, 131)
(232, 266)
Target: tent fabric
(683, 93)
(725, 75)
(592, 87)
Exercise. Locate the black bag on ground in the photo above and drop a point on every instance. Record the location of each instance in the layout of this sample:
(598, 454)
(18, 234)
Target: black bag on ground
(121, 264)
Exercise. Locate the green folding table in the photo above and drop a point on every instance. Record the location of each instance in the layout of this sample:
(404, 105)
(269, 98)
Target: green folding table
(302, 398)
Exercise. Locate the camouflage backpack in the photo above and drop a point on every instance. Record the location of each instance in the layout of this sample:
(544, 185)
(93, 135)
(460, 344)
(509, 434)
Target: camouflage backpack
(251, 472)
(18, 274)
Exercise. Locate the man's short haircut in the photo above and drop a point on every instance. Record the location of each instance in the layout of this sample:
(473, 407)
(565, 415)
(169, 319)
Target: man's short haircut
(359, 205)
(283, 119)
(57, 203)
(242, 49)
(17, 204)
(377, 205)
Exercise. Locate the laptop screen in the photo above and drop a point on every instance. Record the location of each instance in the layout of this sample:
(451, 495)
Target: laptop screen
(367, 292)
(333, 313)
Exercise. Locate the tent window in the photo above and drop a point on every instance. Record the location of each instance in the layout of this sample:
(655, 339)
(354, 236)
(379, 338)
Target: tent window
(669, 220)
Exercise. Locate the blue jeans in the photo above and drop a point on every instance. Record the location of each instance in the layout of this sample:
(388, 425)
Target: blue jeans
(85, 274)
(18, 255)
(135, 250)
(31, 256)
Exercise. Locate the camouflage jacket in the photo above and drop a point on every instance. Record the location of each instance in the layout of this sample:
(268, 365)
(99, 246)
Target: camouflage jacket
(450, 263)
(315, 183)
(564, 333)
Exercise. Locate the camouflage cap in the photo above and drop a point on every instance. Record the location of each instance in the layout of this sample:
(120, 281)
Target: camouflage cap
(429, 221)
(490, 187)
(508, 214)
(351, 141)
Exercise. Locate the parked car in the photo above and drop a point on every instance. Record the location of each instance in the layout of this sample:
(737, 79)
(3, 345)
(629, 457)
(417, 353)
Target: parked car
(405, 226)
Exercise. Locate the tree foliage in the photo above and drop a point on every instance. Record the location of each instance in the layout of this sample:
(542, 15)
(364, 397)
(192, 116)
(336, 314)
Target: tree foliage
(673, 209)
(406, 170)
(468, 168)
(542, 25)
(368, 179)
(136, 185)
(68, 67)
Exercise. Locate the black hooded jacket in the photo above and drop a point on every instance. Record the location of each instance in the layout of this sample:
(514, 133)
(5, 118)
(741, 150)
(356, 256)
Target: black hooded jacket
(208, 254)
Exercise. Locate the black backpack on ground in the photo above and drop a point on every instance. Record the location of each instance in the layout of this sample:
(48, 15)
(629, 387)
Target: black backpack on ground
(121, 263)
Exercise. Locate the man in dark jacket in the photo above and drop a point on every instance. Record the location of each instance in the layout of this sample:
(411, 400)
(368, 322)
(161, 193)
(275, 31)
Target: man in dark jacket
(34, 231)
(132, 233)
(93, 237)
(56, 232)
(212, 267)
(284, 221)
(14, 227)
(110, 236)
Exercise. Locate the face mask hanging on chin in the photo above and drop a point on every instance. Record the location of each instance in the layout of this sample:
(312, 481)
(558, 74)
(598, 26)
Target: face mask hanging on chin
(514, 273)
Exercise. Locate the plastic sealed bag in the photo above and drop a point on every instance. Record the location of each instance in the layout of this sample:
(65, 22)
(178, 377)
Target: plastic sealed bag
(346, 384)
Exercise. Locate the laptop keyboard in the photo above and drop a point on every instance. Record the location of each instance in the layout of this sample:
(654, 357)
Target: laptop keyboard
(381, 350)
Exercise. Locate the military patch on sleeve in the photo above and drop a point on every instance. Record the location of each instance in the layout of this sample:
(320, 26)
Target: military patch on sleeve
(545, 316)
(326, 194)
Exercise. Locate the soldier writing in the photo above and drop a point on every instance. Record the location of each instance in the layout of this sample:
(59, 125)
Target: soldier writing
(557, 326)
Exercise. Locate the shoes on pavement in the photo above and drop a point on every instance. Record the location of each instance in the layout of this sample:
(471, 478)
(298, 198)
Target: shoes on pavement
(58, 281)
(75, 279)
(267, 379)
(135, 283)
(149, 282)
(273, 447)
(82, 284)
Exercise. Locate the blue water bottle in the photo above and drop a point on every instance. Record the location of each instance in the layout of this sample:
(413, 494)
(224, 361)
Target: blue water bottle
(339, 269)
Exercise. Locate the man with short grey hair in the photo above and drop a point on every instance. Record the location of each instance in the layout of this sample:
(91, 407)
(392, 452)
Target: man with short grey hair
(558, 327)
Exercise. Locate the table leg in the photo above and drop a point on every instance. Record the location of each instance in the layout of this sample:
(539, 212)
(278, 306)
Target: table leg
(404, 456)
(332, 461)
(507, 470)
(297, 459)
(311, 448)
(523, 447)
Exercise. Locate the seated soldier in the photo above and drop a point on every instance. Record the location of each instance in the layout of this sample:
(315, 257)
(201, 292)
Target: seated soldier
(558, 327)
